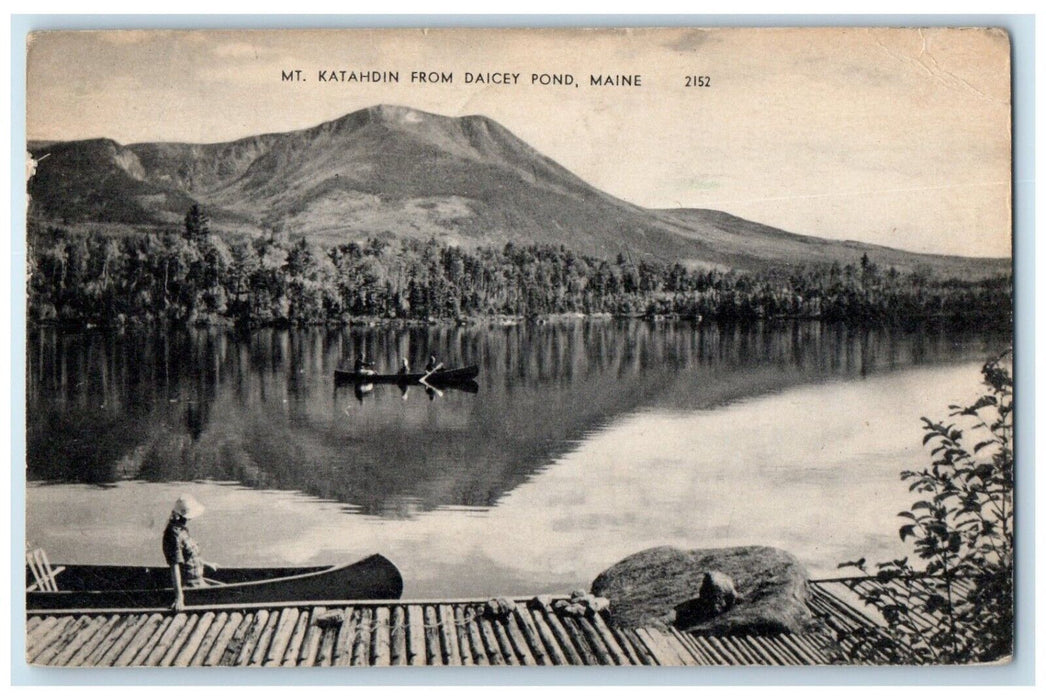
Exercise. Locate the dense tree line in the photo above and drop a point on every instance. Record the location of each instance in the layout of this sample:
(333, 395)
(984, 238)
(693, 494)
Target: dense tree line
(196, 276)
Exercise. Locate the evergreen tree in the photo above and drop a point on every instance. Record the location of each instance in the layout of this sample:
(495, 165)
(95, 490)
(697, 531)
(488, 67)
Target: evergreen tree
(197, 224)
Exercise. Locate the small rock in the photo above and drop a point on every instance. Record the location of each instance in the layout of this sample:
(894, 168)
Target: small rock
(718, 592)
(330, 619)
(717, 595)
(499, 607)
(581, 603)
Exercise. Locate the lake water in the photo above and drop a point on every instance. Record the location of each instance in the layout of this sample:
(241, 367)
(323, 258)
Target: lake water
(587, 440)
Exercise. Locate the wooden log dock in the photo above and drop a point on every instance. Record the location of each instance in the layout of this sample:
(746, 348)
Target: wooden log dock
(536, 632)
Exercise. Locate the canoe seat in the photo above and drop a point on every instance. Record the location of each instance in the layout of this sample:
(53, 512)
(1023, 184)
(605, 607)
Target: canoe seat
(45, 577)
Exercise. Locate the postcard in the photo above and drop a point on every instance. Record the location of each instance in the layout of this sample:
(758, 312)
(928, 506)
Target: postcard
(424, 347)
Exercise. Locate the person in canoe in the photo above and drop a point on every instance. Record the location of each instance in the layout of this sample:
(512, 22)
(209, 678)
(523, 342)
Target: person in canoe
(362, 366)
(181, 551)
(432, 365)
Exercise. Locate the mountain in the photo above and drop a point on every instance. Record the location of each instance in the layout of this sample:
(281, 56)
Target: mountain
(396, 172)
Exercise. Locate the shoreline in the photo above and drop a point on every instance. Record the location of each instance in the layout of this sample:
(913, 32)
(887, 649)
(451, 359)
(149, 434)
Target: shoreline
(508, 321)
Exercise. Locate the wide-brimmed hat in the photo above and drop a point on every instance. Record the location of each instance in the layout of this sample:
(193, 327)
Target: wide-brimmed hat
(188, 507)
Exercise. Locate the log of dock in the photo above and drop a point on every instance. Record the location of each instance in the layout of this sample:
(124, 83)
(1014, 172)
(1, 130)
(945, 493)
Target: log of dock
(535, 632)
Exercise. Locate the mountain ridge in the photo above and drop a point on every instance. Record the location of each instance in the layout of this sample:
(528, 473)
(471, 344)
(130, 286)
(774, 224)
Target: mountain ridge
(392, 172)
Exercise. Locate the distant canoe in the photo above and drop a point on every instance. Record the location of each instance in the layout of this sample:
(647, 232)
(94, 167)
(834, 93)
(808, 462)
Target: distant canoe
(444, 377)
(111, 587)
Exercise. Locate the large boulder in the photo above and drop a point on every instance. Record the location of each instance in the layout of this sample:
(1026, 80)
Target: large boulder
(747, 590)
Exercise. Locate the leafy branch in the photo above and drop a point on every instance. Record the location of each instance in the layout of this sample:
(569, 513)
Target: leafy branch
(956, 606)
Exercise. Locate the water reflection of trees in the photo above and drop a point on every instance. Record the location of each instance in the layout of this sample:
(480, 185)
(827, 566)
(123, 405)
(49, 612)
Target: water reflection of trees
(263, 409)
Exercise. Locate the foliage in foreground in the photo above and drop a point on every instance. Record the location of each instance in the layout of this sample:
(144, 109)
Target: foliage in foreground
(956, 606)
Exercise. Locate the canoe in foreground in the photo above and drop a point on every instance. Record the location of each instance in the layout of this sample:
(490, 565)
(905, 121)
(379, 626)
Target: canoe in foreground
(96, 587)
(443, 377)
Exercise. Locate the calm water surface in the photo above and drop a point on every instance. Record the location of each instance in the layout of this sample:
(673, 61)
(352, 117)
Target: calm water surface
(587, 441)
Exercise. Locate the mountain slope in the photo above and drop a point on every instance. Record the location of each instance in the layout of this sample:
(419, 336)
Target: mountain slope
(396, 172)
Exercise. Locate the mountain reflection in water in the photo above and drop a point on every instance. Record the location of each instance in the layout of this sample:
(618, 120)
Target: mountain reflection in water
(263, 409)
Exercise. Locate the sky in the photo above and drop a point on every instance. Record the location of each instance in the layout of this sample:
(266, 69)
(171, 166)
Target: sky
(898, 137)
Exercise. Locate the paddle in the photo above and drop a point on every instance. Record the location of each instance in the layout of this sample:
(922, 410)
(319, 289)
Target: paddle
(426, 384)
(429, 374)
